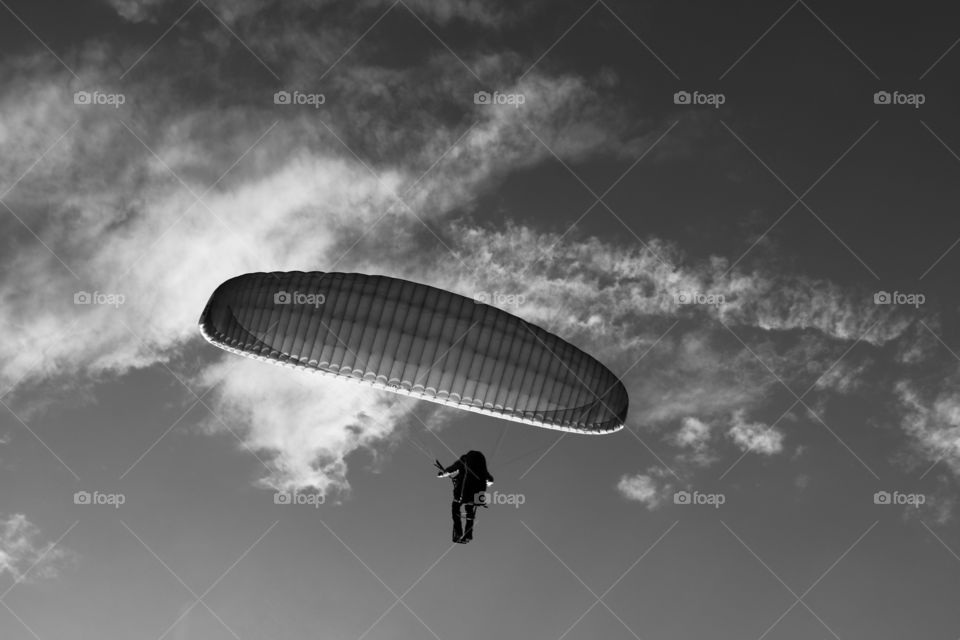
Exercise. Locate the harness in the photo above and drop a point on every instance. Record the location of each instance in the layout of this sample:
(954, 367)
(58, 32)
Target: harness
(439, 466)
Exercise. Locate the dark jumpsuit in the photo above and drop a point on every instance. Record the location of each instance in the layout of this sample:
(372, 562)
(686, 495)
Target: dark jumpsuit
(471, 479)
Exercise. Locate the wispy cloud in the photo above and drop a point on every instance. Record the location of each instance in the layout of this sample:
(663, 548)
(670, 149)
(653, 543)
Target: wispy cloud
(931, 416)
(303, 425)
(24, 556)
(482, 12)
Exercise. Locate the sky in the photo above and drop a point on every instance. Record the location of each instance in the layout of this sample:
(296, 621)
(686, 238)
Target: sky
(746, 210)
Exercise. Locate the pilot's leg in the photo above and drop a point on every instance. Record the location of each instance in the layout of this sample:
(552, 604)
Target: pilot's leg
(457, 525)
(471, 511)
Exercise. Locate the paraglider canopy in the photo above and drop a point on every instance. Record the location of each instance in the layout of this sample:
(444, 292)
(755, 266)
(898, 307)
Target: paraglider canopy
(417, 340)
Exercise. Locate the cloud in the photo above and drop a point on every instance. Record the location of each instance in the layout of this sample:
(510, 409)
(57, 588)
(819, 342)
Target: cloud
(647, 488)
(302, 426)
(931, 417)
(755, 436)
(160, 202)
(696, 366)
(846, 376)
(939, 505)
(694, 436)
(694, 433)
(136, 10)
(23, 556)
(483, 12)
(781, 303)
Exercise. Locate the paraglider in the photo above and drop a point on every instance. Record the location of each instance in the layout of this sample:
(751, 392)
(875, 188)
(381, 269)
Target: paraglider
(417, 340)
(470, 480)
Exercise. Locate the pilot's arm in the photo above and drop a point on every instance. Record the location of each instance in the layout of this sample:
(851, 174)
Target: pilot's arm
(451, 471)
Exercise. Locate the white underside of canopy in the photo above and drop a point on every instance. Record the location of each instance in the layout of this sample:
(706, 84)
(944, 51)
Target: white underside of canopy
(408, 392)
